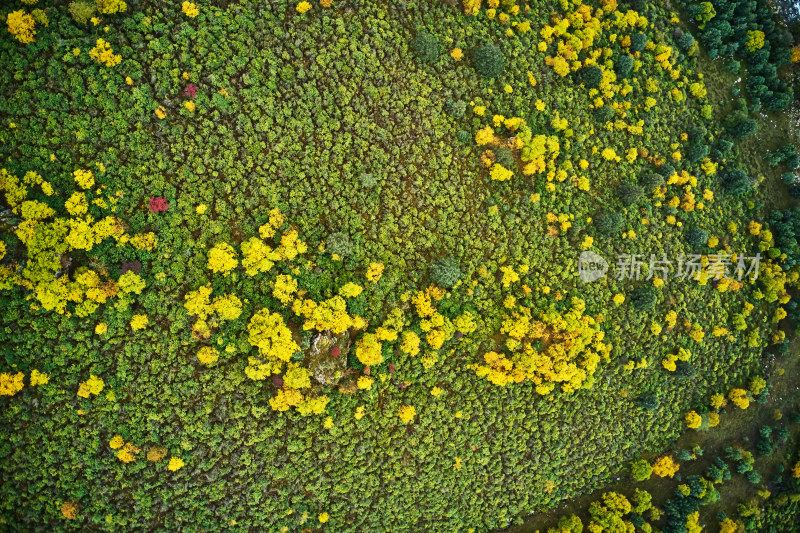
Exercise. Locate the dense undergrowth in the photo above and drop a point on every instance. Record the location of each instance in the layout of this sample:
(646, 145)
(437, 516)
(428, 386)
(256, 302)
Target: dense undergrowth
(298, 266)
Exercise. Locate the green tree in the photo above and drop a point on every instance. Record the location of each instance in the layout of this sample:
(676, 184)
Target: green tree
(488, 60)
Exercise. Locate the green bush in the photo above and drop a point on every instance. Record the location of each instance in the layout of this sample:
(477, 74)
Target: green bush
(685, 41)
(638, 42)
(488, 60)
(368, 179)
(629, 193)
(666, 170)
(456, 108)
(650, 181)
(603, 114)
(591, 76)
(505, 158)
(608, 222)
(643, 298)
(736, 182)
(623, 66)
(641, 470)
(697, 152)
(445, 272)
(696, 237)
(426, 47)
(648, 401)
(339, 243)
(81, 12)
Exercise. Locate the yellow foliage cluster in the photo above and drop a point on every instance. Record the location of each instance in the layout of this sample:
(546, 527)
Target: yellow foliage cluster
(10, 384)
(291, 246)
(305, 405)
(500, 173)
(207, 355)
(693, 420)
(127, 453)
(669, 361)
(328, 315)
(552, 349)
(103, 54)
(410, 343)
(368, 350)
(374, 272)
(297, 377)
(269, 333)
(175, 464)
(47, 238)
(755, 40)
(284, 289)
(39, 378)
(257, 256)
(222, 258)
(739, 398)
(665, 466)
(21, 25)
(84, 178)
(407, 413)
(190, 10)
(538, 151)
(110, 7)
(350, 290)
(93, 385)
(138, 322)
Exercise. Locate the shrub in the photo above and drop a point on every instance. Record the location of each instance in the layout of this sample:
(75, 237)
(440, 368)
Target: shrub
(591, 76)
(683, 455)
(488, 60)
(445, 272)
(367, 179)
(604, 114)
(648, 401)
(505, 158)
(736, 181)
(697, 133)
(643, 298)
(638, 5)
(641, 470)
(696, 237)
(629, 193)
(81, 12)
(723, 147)
(426, 47)
(685, 41)
(623, 66)
(638, 42)
(339, 243)
(666, 170)
(608, 222)
(650, 181)
(743, 128)
(684, 370)
(697, 152)
(456, 108)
